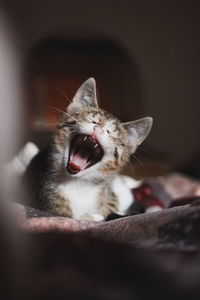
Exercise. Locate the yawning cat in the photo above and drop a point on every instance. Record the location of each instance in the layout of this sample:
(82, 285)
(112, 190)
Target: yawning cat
(78, 175)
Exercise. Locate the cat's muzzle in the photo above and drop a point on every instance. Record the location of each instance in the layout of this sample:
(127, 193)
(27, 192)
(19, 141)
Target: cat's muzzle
(84, 152)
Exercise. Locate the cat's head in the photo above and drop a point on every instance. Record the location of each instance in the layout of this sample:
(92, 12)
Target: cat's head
(92, 143)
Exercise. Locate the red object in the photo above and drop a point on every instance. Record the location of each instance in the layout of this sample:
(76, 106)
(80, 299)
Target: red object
(144, 195)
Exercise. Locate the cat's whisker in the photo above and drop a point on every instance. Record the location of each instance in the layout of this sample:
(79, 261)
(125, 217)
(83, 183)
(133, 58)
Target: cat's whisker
(57, 109)
(131, 168)
(48, 124)
(140, 157)
(138, 160)
(131, 165)
(146, 152)
(65, 96)
(73, 118)
(65, 113)
(88, 119)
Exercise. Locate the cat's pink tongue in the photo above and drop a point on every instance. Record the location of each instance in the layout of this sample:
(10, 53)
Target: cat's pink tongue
(77, 162)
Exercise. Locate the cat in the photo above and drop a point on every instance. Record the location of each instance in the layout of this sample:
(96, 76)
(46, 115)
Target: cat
(77, 176)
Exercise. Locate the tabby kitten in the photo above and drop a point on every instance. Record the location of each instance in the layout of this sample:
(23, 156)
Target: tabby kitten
(78, 175)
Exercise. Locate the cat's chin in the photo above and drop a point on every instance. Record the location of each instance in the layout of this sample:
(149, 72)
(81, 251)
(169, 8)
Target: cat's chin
(84, 152)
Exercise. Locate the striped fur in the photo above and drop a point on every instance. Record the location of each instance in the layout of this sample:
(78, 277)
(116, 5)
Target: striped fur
(91, 194)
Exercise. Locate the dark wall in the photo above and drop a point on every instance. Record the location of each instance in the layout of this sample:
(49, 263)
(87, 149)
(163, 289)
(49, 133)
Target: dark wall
(161, 36)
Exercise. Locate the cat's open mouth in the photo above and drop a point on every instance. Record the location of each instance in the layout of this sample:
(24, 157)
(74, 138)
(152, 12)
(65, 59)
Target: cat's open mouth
(84, 152)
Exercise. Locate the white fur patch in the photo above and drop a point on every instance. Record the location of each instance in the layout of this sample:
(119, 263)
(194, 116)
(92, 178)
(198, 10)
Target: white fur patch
(82, 197)
(153, 208)
(122, 190)
(130, 182)
(21, 161)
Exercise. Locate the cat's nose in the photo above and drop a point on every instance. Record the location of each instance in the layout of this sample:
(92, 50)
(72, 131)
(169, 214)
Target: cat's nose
(98, 130)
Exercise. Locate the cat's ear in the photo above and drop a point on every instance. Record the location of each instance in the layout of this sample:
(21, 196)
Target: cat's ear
(137, 131)
(85, 96)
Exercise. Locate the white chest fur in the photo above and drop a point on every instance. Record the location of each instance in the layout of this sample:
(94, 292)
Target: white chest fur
(82, 197)
(122, 186)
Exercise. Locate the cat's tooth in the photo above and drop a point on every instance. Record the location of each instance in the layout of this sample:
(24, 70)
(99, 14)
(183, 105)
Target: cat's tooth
(95, 145)
(85, 138)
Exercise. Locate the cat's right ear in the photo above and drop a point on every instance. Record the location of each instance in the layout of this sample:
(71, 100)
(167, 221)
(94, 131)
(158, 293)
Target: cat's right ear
(85, 96)
(137, 131)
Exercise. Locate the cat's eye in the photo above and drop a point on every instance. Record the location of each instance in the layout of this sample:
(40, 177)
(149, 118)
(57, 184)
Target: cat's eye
(70, 123)
(108, 131)
(96, 123)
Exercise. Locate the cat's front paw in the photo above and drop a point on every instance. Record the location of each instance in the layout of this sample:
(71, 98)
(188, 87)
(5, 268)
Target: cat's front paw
(92, 217)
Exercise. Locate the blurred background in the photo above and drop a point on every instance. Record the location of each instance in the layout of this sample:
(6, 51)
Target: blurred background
(143, 54)
(145, 57)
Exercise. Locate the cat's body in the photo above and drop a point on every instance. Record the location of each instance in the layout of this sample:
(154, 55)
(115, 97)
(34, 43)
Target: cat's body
(78, 175)
(77, 198)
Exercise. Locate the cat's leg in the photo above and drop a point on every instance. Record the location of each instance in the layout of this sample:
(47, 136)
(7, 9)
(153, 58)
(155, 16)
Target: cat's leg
(130, 182)
(92, 217)
(107, 204)
(58, 204)
(19, 164)
(122, 186)
(15, 168)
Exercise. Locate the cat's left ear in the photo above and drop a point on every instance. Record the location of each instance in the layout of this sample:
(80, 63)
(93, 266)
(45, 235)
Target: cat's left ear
(137, 131)
(85, 96)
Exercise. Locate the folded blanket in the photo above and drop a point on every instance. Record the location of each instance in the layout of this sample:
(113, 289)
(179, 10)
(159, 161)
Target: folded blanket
(160, 251)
